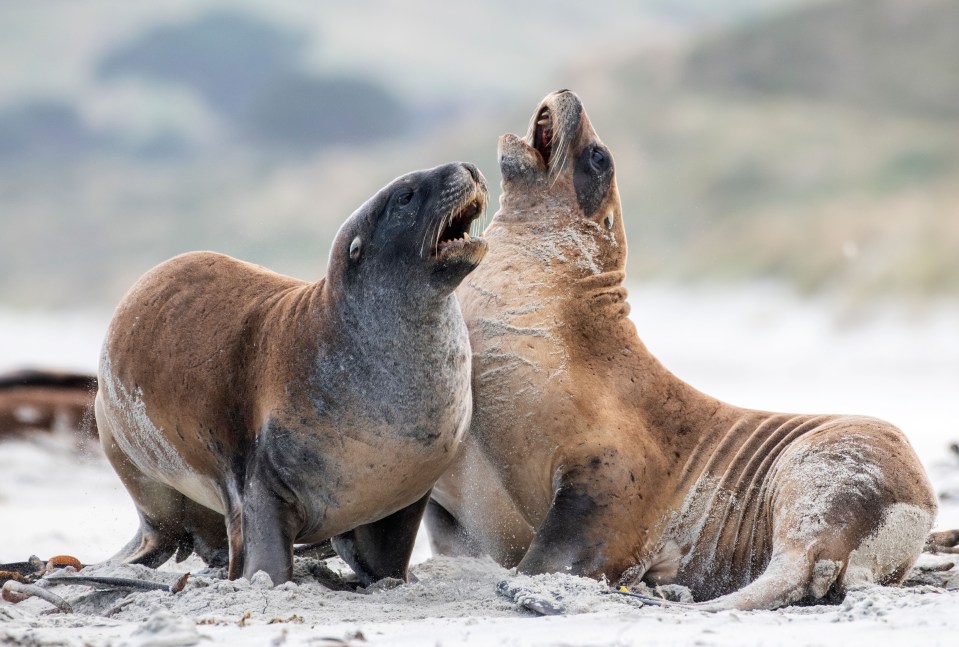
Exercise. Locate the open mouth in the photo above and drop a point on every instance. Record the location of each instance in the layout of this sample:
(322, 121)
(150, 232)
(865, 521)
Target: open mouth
(454, 231)
(543, 135)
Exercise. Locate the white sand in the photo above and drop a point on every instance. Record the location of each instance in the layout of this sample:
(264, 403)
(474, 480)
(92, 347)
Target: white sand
(752, 348)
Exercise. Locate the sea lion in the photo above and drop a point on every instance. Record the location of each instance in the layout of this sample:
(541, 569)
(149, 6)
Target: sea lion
(245, 410)
(39, 399)
(587, 456)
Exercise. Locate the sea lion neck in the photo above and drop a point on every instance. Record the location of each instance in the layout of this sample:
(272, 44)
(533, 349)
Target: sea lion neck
(383, 312)
(601, 335)
(555, 243)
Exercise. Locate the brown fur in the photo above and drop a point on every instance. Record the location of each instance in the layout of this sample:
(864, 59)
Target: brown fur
(32, 400)
(245, 410)
(587, 456)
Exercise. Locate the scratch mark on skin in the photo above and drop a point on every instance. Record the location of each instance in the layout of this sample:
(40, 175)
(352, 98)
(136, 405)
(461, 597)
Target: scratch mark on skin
(496, 327)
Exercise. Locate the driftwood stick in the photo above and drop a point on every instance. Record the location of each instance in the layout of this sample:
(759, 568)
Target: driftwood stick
(14, 591)
(119, 582)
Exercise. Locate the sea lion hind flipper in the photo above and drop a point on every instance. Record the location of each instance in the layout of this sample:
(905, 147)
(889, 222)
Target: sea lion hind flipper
(159, 507)
(789, 578)
(447, 535)
(382, 549)
(148, 547)
(944, 541)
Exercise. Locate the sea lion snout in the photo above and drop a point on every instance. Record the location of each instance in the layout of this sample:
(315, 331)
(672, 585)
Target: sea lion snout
(520, 162)
(560, 162)
(419, 222)
(543, 153)
(461, 199)
(539, 157)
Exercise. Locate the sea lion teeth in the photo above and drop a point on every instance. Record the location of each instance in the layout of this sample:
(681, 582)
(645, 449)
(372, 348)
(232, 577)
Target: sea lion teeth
(246, 411)
(586, 456)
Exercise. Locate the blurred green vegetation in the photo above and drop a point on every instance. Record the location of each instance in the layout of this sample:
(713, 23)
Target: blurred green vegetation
(817, 145)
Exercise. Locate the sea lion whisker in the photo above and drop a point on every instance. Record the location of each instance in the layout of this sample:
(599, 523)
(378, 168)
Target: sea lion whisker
(560, 154)
(444, 223)
(456, 226)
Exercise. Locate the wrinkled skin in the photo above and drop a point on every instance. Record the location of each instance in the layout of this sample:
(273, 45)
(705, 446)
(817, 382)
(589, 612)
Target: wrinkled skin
(245, 410)
(586, 456)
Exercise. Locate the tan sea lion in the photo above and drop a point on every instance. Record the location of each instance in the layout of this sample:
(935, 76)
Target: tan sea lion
(587, 456)
(245, 410)
(35, 399)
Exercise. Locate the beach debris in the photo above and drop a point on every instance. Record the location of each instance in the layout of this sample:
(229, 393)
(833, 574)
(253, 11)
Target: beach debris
(14, 591)
(35, 568)
(319, 550)
(119, 582)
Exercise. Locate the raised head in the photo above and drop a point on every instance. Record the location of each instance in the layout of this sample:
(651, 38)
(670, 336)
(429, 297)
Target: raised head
(562, 176)
(411, 240)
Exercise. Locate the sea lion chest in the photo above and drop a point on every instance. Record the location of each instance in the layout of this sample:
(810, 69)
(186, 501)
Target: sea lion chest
(382, 422)
(524, 390)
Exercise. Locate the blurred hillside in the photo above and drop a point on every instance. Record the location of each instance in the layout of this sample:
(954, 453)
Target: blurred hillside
(812, 143)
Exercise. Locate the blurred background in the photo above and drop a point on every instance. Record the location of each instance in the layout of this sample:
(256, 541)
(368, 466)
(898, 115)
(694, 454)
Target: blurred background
(789, 170)
(811, 143)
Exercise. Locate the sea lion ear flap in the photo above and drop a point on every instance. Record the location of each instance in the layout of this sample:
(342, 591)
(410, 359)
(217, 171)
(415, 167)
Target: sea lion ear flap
(356, 248)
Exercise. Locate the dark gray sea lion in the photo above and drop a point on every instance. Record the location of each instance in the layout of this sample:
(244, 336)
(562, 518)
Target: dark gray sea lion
(587, 456)
(245, 410)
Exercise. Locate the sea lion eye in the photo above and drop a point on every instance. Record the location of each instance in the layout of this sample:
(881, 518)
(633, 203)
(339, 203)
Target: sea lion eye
(355, 248)
(599, 160)
(404, 196)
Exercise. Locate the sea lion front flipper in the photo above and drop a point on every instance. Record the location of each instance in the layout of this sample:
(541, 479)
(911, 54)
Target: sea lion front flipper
(382, 548)
(269, 523)
(564, 543)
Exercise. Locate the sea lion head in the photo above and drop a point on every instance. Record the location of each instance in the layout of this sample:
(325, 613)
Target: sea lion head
(413, 235)
(562, 176)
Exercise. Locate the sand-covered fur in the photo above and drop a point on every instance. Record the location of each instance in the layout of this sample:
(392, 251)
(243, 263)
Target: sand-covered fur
(587, 456)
